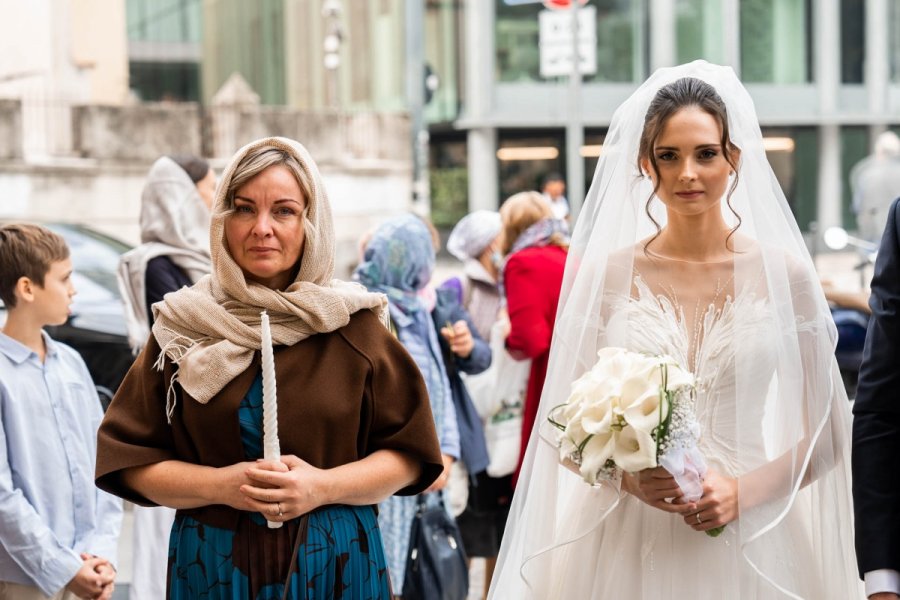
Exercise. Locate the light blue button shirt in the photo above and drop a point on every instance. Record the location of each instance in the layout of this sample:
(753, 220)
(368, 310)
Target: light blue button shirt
(51, 510)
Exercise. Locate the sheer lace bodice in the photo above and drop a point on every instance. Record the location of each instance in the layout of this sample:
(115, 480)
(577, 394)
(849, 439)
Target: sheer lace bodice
(706, 344)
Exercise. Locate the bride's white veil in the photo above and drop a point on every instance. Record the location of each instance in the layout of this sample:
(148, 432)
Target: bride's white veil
(793, 474)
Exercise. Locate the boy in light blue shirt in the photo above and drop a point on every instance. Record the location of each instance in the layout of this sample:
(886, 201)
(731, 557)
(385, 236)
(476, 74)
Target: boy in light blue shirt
(58, 532)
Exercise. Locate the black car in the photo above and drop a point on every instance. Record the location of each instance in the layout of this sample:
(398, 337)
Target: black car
(96, 328)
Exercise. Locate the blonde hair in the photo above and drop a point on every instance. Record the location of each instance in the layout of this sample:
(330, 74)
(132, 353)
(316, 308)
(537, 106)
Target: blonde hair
(260, 159)
(520, 212)
(27, 251)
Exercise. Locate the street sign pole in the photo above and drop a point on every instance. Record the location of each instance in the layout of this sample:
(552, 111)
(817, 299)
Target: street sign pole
(574, 127)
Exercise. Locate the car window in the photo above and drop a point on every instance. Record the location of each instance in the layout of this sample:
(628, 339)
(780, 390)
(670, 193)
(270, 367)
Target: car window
(89, 291)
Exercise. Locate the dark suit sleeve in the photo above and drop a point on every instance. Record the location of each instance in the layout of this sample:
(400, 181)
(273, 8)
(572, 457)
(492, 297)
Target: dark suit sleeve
(876, 424)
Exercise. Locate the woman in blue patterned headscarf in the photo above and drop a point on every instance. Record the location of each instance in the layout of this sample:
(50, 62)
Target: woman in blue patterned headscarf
(398, 261)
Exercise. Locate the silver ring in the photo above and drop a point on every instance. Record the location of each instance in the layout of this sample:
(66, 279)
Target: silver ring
(699, 520)
(278, 504)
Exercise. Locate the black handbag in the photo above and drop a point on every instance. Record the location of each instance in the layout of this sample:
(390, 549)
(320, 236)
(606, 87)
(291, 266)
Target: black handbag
(436, 565)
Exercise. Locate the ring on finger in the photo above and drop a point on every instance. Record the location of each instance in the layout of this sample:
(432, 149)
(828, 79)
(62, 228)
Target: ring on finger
(699, 520)
(280, 513)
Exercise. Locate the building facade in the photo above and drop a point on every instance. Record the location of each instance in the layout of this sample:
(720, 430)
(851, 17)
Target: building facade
(824, 75)
(164, 49)
(92, 92)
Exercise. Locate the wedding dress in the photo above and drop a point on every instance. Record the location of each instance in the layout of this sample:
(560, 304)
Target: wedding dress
(643, 552)
(756, 331)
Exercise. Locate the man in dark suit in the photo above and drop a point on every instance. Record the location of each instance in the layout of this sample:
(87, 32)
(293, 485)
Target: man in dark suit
(876, 427)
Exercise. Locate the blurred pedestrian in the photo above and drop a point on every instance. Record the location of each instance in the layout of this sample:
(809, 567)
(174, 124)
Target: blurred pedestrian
(174, 252)
(185, 428)
(475, 240)
(58, 533)
(875, 183)
(399, 261)
(534, 245)
(553, 189)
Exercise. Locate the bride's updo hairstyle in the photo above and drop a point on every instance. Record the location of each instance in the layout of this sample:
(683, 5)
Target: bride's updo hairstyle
(671, 98)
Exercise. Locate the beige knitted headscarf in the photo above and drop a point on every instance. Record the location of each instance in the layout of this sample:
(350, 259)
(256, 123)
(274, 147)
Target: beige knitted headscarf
(212, 330)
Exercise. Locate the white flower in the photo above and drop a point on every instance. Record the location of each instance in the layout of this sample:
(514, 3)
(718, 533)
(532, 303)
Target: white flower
(597, 418)
(676, 377)
(596, 452)
(613, 410)
(619, 364)
(635, 450)
(642, 410)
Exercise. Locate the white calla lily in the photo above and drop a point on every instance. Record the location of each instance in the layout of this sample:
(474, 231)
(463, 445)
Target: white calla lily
(596, 452)
(644, 412)
(597, 418)
(635, 450)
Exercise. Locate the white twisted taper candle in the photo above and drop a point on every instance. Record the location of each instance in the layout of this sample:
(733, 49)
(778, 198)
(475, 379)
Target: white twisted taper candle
(271, 445)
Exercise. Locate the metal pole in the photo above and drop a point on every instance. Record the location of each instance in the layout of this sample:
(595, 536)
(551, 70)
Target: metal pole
(574, 128)
(415, 94)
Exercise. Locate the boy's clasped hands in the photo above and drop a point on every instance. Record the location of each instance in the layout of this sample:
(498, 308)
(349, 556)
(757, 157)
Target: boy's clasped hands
(95, 580)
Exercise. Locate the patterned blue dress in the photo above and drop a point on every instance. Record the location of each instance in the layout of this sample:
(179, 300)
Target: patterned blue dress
(340, 554)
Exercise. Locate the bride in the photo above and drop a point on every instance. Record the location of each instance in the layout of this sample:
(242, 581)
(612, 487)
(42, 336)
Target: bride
(686, 247)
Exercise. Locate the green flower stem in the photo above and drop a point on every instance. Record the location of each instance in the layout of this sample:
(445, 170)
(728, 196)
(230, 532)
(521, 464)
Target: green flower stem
(715, 531)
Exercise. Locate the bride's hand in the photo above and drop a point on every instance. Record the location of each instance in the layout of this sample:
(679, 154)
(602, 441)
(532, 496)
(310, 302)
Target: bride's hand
(719, 504)
(657, 488)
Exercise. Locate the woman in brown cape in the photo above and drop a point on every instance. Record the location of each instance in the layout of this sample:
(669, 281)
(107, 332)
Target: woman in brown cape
(185, 428)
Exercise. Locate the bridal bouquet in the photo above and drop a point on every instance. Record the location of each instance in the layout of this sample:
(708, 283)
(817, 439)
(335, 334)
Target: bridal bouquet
(630, 412)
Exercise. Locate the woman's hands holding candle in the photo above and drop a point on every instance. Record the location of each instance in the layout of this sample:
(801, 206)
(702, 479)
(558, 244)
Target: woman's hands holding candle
(294, 487)
(232, 481)
(291, 487)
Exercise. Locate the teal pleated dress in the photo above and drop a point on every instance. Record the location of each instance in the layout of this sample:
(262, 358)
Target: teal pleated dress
(340, 553)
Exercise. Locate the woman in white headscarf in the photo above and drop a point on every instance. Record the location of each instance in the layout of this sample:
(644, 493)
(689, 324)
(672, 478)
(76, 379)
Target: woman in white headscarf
(174, 249)
(354, 421)
(475, 241)
(687, 247)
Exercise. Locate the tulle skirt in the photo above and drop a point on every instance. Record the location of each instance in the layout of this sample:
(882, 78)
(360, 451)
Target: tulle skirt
(640, 552)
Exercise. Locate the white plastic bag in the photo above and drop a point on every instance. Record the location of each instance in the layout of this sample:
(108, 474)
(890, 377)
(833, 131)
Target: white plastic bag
(498, 394)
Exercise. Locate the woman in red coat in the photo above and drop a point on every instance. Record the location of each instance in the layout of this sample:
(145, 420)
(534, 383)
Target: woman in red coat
(535, 246)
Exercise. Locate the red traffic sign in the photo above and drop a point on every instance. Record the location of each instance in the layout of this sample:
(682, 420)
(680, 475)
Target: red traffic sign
(559, 4)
